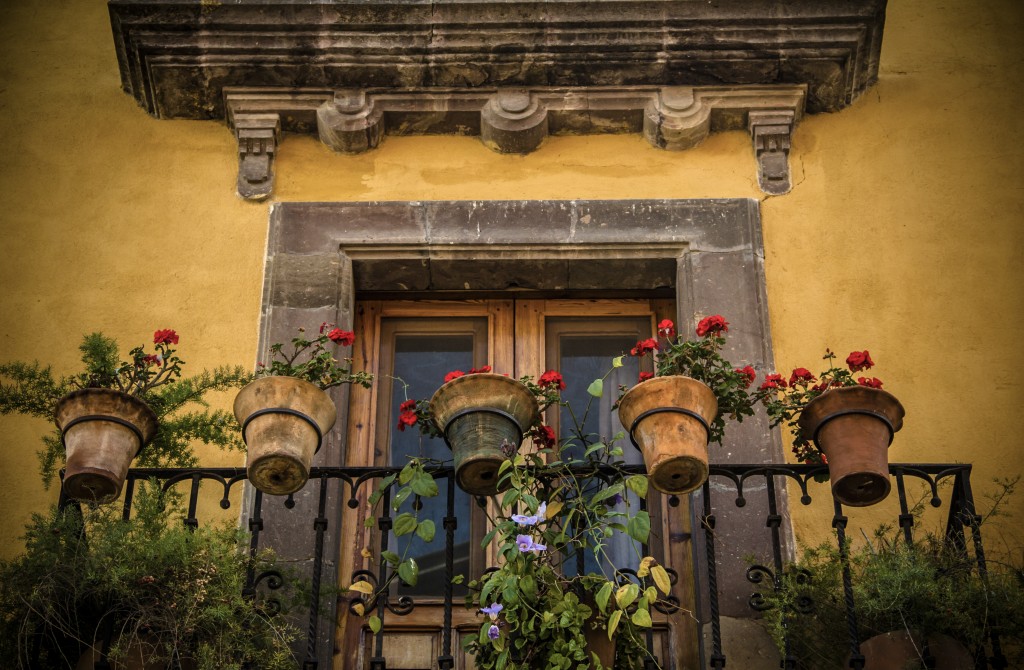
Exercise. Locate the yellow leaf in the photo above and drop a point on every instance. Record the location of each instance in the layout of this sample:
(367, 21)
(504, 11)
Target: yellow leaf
(661, 579)
(554, 508)
(361, 587)
(613, 622)
(645, 566)
(366, 553)
(359, 609)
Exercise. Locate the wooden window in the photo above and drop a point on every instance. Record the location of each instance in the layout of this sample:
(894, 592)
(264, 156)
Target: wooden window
(410, 346)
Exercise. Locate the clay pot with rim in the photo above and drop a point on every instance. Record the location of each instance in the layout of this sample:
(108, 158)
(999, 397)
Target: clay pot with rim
(102, 431)
(668, 419)
(478, 414)
(853, 427)
(283, 423)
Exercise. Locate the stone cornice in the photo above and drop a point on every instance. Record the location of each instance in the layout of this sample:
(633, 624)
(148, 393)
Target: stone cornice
(513, 120)
(177, 56)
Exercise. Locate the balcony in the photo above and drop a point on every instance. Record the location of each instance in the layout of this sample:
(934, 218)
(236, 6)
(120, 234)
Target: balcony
(947, 490)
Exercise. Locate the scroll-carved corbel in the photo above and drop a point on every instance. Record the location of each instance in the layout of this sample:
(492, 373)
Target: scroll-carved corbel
(771, 131)
(258, 135)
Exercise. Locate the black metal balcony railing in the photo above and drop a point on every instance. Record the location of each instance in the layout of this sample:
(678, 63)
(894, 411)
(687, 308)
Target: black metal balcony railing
(740, 478)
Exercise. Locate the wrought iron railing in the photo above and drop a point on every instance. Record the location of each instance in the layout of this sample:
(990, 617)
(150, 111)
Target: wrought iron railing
(729, 487)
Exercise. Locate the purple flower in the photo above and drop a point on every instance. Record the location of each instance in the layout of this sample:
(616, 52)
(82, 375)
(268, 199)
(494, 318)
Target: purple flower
(492, 632)
(492, 610)
(524, 520)
(617, 499)
(526, 543)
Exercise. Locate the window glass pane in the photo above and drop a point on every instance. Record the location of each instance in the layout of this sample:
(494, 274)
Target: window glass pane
(582, 359)
(422, 361)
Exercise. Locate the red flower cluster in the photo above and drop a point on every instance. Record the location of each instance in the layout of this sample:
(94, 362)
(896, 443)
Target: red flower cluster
(343, 337)
(748, 372)
(644, 346)
(165, 337)
(773, 381)
(476, 371)
(406, 414)
(859, 360)
(873, 382)
(801, 376)
(152, 359)
(545, 437)
(551, 379)
(712, 325)
(454, 374)
(644, 376)
(667, 329)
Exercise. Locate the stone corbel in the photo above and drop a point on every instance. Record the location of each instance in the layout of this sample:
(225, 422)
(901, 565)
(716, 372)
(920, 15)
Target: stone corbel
(513, 121)
(258, 135)
(350, 122)
(770, 132)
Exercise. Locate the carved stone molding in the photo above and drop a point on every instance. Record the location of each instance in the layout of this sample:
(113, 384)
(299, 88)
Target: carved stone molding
(257, 143)
(177, 56)
(518, 120)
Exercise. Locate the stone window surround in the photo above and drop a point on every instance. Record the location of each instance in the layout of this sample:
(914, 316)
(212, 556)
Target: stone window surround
(708, 254)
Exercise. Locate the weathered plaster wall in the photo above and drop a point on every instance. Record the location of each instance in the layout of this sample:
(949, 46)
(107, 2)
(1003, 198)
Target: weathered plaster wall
(902, 234)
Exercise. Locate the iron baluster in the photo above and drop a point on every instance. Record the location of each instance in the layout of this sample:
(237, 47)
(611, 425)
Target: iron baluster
(193, 502)
(384, 524)
(446, 661)
(906, 518)
(839, 523)
(708, 523)
(320, 524)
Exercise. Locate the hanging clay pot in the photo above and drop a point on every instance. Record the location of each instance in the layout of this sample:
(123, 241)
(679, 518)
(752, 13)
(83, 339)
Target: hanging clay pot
(668, 420)
(853, 426)
(283, 423)
(477, 414)
(102, 431)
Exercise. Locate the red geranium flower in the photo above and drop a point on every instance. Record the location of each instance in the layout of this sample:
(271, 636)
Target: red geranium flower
(475, 371)
(859, 360)
(667, 329)
(551, 379)
(165, 337)
(152, 359)
(801, 376)
(644, 376)
(873, 382)
(407, 414)
(454, 374)
(749, 373)
(644, 346)
(343, 337)
(544, 437)
(712, 325)
(773, 381)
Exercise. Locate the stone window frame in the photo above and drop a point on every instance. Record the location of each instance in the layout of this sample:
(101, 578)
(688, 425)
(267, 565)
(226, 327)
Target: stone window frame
(706, 254)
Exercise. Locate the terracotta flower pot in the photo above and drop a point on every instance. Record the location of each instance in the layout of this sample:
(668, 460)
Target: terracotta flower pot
(898, 651)
(853, 426)
(668, 420)
(477, 414)
(102, 431)
(283, 422)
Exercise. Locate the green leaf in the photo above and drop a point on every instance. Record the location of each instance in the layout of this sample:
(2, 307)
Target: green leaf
(641, 618)
(375, 624)
(637, 484)
(613, 622)
(458, 579)
(426, 530)
(405, 523)
(487, 538)
(409, 571)
(400, 497)
(639, 527)
(528, 585)
(424, 485)
(406, 475)
(603, 595)
(596, 388)
(604, 494)
(391, 557)
(617, 361)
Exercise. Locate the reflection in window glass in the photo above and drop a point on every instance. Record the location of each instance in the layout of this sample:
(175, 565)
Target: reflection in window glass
(582, 359)
(422, 361)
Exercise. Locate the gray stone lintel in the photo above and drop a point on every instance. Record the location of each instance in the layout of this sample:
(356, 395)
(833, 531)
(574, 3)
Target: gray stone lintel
(515, 120)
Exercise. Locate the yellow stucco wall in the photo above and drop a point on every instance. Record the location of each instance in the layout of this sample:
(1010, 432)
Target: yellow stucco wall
(902, 234)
